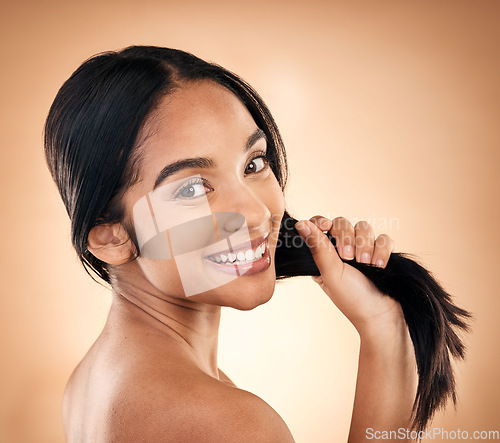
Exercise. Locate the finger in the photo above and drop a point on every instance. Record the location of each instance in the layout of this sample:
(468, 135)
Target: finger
(365, 241)
(321, 222)
(384, 245)
(343, 233)
(324, 254)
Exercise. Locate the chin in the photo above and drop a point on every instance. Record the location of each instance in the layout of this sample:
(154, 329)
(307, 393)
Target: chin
(251, 291)
(247, 302)
(243, 293)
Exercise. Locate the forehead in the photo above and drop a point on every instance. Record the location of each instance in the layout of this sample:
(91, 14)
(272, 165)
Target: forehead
(197, 119)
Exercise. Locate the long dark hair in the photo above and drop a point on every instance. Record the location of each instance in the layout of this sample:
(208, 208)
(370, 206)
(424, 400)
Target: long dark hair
(91, 149)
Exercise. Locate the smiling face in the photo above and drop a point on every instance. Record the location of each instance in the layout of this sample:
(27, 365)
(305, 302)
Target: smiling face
(208, 207)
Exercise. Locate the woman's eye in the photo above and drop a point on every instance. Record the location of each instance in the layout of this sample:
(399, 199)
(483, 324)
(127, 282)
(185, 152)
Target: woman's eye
(256, 165)
(191, 190)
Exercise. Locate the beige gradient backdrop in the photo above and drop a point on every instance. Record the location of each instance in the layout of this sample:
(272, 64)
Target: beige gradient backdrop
(390, 112)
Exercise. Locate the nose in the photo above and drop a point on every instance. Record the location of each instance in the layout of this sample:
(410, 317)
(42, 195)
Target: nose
(242, 200)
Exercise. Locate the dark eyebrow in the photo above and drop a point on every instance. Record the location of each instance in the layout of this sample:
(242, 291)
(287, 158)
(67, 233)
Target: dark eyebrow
(201, 162)
(254, 138)
(172, 168)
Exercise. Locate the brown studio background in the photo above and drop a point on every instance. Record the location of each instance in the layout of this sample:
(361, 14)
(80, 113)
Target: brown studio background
(390, 113)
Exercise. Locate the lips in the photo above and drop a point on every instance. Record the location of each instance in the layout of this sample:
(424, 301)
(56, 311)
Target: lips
(239, 257)
(247, 258)
(253, 244)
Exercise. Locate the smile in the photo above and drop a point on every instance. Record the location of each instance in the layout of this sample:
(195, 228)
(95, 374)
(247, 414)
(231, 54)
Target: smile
(240, 257)
(243, 260)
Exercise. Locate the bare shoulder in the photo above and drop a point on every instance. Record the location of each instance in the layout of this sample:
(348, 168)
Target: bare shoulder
(114, 397)
(196, 407)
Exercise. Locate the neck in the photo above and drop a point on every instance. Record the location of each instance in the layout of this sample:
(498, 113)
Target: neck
(191, 325)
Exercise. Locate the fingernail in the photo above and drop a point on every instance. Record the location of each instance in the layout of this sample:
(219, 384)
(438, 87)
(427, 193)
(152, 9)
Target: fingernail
(324, 223)
(302, 227)
(348, 252)
(379, 263)
(365, 257)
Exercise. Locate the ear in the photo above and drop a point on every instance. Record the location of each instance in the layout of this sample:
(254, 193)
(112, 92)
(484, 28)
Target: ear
(110, 243)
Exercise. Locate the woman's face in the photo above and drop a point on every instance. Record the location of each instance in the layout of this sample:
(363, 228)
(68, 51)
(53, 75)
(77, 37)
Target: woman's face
(207, 208)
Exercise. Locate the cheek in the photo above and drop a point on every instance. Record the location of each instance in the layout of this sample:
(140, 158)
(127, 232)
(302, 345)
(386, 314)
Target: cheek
(275, 201)
(280, 203)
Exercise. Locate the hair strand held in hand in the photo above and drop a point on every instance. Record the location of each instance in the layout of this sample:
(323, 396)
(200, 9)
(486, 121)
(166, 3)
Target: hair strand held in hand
(433, 320)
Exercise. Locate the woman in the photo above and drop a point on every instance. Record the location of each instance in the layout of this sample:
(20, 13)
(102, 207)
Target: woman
(131, 123)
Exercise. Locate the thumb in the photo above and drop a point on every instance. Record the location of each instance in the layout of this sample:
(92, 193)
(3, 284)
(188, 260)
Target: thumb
(324, 253)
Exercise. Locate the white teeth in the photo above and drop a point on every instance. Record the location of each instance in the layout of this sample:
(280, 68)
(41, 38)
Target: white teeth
(243, 257)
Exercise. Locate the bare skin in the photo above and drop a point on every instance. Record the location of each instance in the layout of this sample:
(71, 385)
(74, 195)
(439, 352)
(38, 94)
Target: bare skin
(152, 374)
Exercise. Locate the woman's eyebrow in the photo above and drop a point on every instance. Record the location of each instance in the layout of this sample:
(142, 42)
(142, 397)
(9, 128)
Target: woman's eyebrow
(254, 138)
(179, 165)
(201, 162)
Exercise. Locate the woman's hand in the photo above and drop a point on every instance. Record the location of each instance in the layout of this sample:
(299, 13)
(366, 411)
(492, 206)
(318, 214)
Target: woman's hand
(353, 293)
(387, 376)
